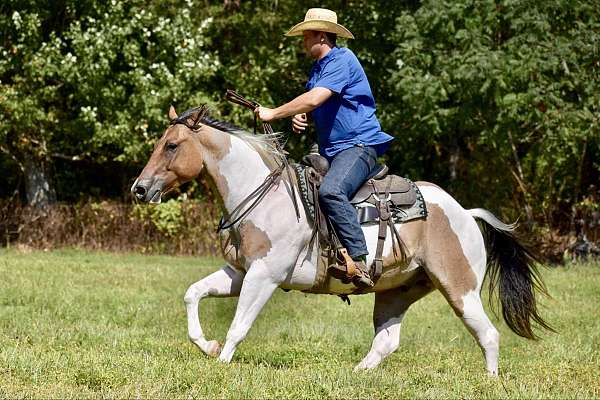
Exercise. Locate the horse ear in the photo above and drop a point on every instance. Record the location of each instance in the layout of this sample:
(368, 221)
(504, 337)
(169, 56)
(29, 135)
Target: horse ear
(172, 113)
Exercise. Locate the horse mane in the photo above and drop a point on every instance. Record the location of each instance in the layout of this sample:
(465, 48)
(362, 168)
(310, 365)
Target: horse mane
(266, 145)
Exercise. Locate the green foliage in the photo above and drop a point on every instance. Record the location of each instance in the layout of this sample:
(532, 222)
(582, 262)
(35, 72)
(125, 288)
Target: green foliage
(166, 216)
(512, 87)
(497, 101)
(98, 86)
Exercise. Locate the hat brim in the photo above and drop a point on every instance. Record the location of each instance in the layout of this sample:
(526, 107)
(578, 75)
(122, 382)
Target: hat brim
(321, 26)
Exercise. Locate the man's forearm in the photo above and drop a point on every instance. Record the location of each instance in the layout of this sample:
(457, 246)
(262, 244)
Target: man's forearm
(304, 103)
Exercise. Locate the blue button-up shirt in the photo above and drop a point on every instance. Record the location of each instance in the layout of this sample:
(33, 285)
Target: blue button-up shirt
(347, 118)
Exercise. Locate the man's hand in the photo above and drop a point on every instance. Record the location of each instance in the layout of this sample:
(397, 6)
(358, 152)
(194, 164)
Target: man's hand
(265, 114)
(299, 123)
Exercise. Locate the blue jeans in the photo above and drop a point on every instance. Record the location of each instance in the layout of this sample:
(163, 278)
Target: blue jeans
(348, 171)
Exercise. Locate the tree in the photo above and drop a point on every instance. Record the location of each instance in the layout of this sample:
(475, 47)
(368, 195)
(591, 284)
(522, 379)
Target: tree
(497, 101)
(509, 86)
(89, 80)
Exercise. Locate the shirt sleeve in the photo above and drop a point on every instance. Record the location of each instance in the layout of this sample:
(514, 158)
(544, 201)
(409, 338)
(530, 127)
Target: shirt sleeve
(335, 76)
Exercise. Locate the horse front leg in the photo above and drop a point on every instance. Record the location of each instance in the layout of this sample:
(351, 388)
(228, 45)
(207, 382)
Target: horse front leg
(225, 282)
(388, 312)
(257, 288)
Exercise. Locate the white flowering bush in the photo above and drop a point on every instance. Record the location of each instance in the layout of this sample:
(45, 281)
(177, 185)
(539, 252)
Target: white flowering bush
(96, 86)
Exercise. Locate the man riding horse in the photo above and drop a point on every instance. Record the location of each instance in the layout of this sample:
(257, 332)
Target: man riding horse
(341, 104)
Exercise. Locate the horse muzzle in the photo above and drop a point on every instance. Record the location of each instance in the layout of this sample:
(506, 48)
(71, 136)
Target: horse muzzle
(148, 190)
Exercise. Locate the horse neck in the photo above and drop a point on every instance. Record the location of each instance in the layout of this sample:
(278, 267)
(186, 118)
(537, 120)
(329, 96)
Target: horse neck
(236, 168)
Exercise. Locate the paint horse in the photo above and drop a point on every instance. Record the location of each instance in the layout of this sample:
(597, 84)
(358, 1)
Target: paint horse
(446, 251)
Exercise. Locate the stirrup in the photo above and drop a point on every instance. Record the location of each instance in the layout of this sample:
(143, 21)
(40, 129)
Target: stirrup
(352, 271)
(339, 272)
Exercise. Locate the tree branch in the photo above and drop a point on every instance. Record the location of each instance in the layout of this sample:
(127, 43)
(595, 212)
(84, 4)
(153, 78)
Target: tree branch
(520, 179)
(11, 155)
(67, 157)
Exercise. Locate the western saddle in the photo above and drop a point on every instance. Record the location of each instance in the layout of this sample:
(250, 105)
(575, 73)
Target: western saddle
(383, 199)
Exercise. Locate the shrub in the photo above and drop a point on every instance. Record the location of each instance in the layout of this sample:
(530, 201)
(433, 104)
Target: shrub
(185, 227)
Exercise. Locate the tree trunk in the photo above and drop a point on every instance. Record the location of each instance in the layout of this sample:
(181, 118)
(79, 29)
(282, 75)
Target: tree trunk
(231, 5)
(38, 188)
(521, 180)
(454, 159)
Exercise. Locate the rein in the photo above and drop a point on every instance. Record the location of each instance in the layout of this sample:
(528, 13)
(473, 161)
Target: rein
(236, 98)
(258, 194)
(271, 180)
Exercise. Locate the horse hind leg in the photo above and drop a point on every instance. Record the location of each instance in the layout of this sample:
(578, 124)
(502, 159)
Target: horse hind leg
(389, 310)
(457, 270)
(480, 326)
(468, 307)
(226, 282)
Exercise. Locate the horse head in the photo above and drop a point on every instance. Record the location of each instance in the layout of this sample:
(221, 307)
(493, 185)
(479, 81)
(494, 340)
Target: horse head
(177, 157)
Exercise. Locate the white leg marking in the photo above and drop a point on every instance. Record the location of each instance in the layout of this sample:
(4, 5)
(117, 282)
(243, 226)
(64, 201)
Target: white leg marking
(257, 288)
(480, 326)
(225, 282)
(385, 342)
(389, 310)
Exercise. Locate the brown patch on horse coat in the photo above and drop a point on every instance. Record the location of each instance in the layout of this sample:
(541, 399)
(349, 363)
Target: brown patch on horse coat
(229, 243)
(187, 162)
(445, 260)
(217, 145)
(410, 232)
(172, 113)
(255, 244)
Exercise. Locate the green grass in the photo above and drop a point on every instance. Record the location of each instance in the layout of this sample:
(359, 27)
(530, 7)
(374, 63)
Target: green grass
(79, 324)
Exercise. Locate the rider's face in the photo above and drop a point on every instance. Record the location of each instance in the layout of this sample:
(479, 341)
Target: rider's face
(312, 43)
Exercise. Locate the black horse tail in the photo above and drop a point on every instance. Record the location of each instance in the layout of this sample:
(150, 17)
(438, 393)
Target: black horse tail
(512, 270)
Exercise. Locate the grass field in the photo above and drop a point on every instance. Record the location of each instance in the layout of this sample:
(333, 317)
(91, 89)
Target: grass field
(79, 324)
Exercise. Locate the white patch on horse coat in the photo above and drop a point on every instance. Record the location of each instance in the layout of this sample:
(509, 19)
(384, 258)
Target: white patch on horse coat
(304, 273)
(240, 158)
(371, 231)
(485, 333)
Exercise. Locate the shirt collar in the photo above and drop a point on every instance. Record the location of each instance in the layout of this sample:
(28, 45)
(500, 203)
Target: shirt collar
(330, 56)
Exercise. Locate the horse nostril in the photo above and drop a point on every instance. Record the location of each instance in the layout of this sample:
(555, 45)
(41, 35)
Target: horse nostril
(140, 191)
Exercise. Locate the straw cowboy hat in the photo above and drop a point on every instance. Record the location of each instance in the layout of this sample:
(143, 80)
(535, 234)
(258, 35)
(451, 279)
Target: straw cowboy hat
(322, 20)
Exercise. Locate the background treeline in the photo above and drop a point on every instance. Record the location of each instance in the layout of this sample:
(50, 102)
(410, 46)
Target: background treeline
(496, 101)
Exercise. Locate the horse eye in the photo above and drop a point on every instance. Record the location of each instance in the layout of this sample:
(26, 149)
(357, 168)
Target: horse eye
(171, 146)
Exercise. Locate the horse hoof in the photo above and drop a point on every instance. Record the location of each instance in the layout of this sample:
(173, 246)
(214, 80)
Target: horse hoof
(363, 367)
(213, 348)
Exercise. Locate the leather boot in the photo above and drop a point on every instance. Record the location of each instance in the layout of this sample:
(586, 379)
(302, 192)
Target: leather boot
(362, 278)
(358, 274)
